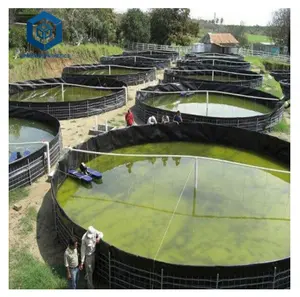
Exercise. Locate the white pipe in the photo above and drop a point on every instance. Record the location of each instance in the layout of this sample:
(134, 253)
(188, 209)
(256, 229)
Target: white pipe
(109, 70)
(96, 121)
(196, 174)
(134, 59)
(106, 127)
(207, 98)
(62, 92)
(38, 142)
(211, 91)
(126, 94)
(213, 62)
(212, 75)
(176, 156)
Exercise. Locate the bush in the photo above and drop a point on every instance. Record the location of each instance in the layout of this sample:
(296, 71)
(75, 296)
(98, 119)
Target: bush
(271, 65)
(17, 37)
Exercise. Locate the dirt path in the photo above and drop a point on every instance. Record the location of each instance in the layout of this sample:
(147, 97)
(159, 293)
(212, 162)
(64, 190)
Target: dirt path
(42, 241)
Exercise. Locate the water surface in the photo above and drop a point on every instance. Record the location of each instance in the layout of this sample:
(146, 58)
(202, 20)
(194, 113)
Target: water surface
(149, 206)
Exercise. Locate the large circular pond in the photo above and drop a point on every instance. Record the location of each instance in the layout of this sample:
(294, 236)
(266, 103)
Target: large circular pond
(59, 93)
(149, 206)
(216, 106)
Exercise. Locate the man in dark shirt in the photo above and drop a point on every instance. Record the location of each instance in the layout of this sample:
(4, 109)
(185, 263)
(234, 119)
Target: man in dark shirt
(177, 118)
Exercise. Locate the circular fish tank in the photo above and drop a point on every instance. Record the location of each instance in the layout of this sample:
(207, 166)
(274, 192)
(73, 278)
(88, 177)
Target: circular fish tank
(211, 103)
(241, 77)
(214, 55)
(215, 62)
(28, 133)
(172, 55)
(136, 61)
(129, 75)
(68, 98)
(285, 86)
(198, 204)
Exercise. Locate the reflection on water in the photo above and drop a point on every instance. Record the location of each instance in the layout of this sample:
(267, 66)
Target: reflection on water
(218, 105)
(22, 130)
(237, 215)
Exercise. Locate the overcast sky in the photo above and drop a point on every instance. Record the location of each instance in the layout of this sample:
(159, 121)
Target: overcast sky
(250, 16)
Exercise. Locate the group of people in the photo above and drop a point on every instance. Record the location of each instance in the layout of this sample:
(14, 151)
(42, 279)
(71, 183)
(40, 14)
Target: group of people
(129, 118)
(87, 257)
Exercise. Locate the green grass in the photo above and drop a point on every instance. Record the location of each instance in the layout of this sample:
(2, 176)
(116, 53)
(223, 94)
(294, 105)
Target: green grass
(27, 68)
(282, 127)
(26, 272)
(26, 222)
(270, 85)
(253, 38)
(17, 195)
(256, 63)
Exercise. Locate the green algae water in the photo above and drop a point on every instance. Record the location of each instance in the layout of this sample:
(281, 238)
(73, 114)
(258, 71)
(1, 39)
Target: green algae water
(55, 94)
(113, 71)
(22, 130)
(148, 206)
(218, 105)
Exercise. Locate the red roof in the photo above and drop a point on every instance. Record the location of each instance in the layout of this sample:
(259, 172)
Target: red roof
(222, 38)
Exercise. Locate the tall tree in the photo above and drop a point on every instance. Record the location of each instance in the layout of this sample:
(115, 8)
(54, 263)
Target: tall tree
(171, 25)
(136, 26)
(221, 21)
(280, 28)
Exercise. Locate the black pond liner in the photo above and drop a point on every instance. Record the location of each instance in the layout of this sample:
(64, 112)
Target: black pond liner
(72, 109)
(255, 123)
(243, 77)
(26, 170)
(215, 55)
(280, 74)
(142, 75)
(121, 269)
(172, 55)
(136, 61)
(285, 87)
(223, 62)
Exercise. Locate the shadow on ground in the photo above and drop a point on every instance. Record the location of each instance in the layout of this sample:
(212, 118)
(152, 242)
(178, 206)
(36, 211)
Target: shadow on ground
(51, 249)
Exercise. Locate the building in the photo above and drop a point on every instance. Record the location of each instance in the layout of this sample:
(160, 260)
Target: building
(268, 47)
(223, 43)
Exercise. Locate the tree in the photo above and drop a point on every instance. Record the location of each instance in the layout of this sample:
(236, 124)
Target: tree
(279, 27)
(217, 20)
(172, 25)
(135, 26)
(239, 32)
(221, 21)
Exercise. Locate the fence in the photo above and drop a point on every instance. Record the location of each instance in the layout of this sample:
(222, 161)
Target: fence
(183, 50)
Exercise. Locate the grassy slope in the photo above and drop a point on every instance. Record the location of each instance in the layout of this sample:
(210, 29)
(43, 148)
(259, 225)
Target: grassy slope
(270, 85)
(253, 38)
(24, 69)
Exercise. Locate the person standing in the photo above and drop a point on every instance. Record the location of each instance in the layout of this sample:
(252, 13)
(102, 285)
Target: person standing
(129, 118)
(165, 119)
(88, 248)
(152, 120)
(71, 263)
(177, 118)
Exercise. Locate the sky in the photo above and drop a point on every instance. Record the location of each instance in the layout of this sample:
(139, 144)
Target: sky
(250, 16)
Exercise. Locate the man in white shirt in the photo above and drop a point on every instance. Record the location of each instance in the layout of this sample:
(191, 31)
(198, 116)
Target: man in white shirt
(152, 120)
(165, 119)
(71, 263)
(88, 248)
